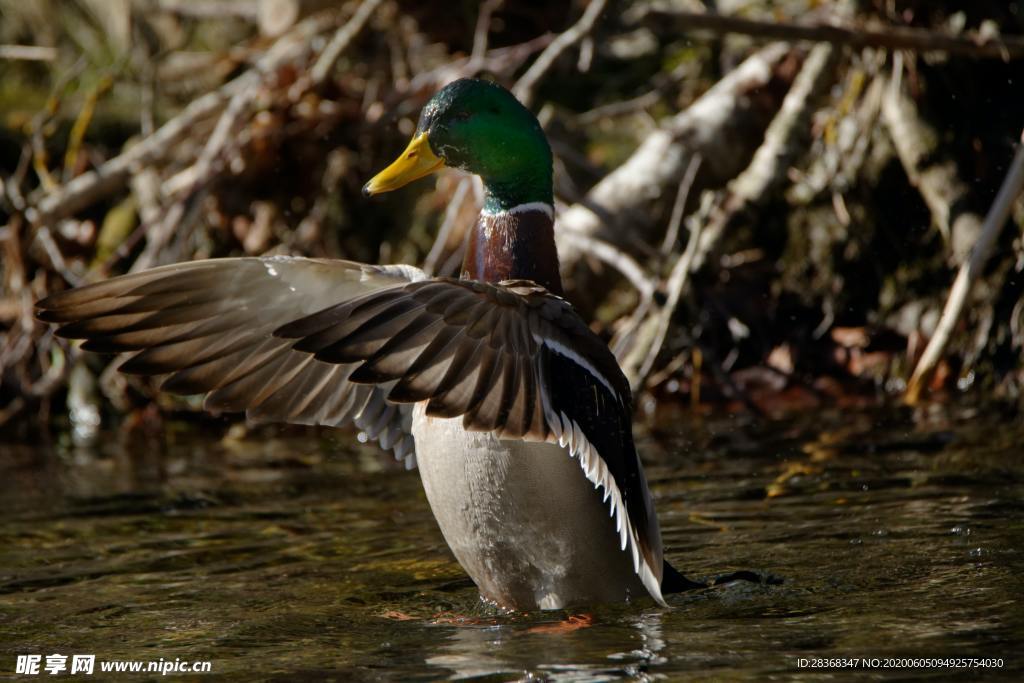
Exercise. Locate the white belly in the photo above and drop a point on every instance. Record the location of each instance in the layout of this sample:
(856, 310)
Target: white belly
(521, 518)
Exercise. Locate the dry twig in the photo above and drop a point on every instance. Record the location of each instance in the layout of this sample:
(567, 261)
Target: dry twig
(615, 257)
(524, 87)
(682, 196)
(113, 174)
(341, 39)
(997, 216)
(204, 169)
(29, 53)
(676, 286)
(890, 37)
(767, 171)
(211, 9)
(482, 32)
(445, 231)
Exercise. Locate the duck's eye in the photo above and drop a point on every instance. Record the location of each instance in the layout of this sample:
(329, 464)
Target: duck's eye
(461, 115)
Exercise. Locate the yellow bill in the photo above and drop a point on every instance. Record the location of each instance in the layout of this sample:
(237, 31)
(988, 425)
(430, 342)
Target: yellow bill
(415, 162)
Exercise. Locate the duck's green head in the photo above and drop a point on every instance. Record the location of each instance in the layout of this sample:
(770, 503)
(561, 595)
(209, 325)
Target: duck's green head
(479, 127)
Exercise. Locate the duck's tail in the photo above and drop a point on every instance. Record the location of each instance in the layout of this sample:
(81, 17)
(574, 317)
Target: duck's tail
(674, 582)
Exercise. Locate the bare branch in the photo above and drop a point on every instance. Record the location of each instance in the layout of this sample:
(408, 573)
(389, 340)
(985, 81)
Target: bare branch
(499, 60)
(767, 171)
(277, 16)
(45, 238)
(997, 216)
(204, 169)
(342, 38)
(890, 37)
(28, 53)
(682, 195)
(450, 214)
(113, 174)
(523, 89)
(482, 31)
(211, 9)
(616, 258)
(676, 286)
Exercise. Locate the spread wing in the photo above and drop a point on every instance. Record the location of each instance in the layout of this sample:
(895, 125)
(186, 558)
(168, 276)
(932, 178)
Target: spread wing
(509, 358)
(365, 344)
(209, 324)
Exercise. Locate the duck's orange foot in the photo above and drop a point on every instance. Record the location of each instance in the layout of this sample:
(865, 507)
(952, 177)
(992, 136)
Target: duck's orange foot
(573, 623)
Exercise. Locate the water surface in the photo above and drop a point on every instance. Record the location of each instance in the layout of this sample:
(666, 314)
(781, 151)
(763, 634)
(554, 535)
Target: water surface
(294, 553)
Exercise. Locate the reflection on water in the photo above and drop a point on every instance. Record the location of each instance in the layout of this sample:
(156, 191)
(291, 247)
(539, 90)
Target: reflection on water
(291, 553)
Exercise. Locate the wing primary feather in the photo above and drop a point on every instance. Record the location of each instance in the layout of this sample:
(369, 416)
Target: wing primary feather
(352, 312)
(157, 360)
(209, 327)
(217, 372)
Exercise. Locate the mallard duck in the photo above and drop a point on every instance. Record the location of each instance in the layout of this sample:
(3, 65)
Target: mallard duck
(516, 414)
